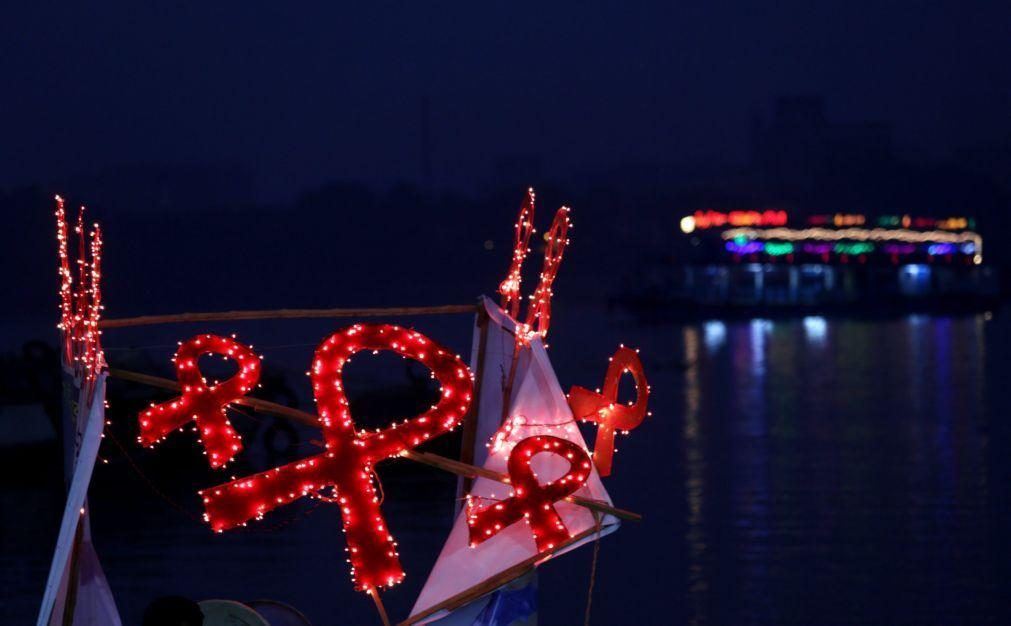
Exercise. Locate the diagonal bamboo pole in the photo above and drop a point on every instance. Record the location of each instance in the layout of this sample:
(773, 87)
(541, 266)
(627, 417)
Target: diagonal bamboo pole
(449, 465)
(380, 607)
(494, 582)
(463, 469)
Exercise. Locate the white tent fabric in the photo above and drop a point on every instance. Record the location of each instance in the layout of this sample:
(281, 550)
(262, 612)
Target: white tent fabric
(497, 361)
(93, 601)
(538, 408)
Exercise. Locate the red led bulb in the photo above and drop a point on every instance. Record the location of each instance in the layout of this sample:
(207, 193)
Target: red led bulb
(348, 463)
(203, 403)
(604, 409)
(532, 501)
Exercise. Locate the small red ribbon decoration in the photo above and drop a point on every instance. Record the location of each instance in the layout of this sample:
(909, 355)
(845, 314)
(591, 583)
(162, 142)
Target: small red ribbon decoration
(539, 310)
(80, 299)
(538, 315)
(350, 456)
(531, 500)
(510, 287)
(603, 408)
(202, 403)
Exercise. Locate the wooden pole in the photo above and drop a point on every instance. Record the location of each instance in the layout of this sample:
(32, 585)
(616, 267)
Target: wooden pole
(463, 469)
(70, 601)
(178, 318)
(374, 593)
(494, 582)
(470, 421)
(507, 387)
(259, 405)
(456, 467)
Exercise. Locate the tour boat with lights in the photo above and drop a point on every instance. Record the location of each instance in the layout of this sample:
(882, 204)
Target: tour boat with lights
(758, 261)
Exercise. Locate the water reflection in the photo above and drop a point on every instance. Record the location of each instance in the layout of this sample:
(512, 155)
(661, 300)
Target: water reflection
(715, 333)
(694, 476)
(837, 481)
(815, 330)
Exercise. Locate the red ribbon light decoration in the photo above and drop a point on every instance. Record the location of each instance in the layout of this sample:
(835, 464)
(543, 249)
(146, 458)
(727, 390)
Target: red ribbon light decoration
(510, 287)
(538, 317)
(532, 501)
(202, 403)
(539, 310)
(347, 465)
(80, 303)
(603, 408)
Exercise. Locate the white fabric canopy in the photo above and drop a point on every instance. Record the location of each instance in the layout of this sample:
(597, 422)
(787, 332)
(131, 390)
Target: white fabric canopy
(538, 408)
(93, 603)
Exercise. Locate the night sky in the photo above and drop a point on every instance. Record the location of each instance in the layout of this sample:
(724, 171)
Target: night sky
(253, 155)
(337, 90)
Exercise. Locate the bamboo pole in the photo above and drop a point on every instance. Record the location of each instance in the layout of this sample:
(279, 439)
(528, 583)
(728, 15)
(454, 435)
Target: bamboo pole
(70, 600)
(178, 318)
(494, 582)
(470, 421)
(463, 469)
(374, 593)
(427, 458)
(507, 387)
(259, 405)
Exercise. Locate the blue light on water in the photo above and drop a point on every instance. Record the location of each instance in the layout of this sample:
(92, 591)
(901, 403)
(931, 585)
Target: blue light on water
(714, 334)
(761, 325)
(815, 329)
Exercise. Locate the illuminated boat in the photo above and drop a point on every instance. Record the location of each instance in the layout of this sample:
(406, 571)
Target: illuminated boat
(757, 260)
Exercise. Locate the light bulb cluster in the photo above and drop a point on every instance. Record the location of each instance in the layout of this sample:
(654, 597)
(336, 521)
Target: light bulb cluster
(502, 442)
(538, 316)
(539, 310)
(80, 303)
(347, 464)
(531, 501)
(204, 404)
(604, 409)
(510, 287)
(859, 235)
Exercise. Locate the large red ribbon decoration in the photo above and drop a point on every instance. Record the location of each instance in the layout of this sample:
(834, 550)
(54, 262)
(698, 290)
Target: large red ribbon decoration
(532, 501)
(604, 409)
(202, 403)
(510, 287)
(347, 465)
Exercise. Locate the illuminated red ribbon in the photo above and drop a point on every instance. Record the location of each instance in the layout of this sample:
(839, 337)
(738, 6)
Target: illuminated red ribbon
(533, 501)
(539, 310)
(603, 408)
(350, 457)
(202, 403)
(510, 287)
(80, 304)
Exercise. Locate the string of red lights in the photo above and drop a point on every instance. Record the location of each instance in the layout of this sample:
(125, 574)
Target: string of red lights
(531, 501)
(204, 404)
(350, 456)
(510, 287)
(604, 409)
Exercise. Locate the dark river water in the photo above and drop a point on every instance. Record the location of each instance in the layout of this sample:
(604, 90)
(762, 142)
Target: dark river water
(807, 471)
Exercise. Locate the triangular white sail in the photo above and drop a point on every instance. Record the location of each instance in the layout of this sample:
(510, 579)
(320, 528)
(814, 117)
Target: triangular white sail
(538, 408)
(93, 601)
